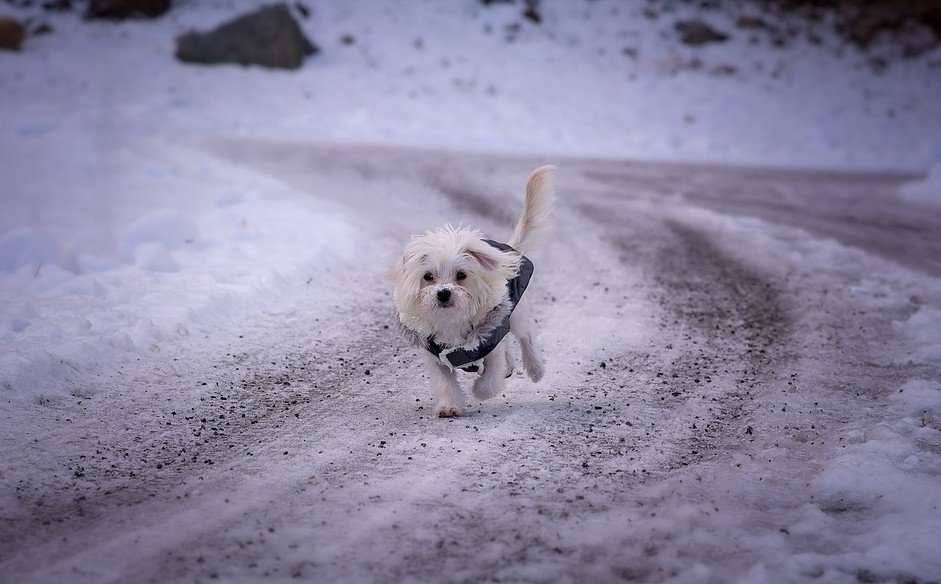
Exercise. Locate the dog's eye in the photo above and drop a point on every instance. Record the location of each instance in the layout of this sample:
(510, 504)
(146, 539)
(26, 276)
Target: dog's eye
(428, 277)
(460, 276)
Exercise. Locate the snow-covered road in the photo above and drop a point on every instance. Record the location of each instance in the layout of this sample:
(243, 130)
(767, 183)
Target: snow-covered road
(743, 385)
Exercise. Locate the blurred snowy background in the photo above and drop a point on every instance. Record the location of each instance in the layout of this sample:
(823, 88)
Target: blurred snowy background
(835, 84)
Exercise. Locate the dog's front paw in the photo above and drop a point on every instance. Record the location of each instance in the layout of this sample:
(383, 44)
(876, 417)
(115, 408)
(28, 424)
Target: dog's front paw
(447, 411)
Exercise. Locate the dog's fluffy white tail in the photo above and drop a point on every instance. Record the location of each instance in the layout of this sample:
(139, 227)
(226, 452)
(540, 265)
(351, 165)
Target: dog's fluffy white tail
(534, 221)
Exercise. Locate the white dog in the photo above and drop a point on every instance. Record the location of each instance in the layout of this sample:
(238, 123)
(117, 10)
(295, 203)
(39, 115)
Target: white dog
(458, 294)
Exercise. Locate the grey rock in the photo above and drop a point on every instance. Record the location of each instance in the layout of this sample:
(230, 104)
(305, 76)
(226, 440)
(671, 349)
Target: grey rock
(751, 22)
(121, 9)
(11, 34)
(269, 37)
(697, 32)
(57, 5)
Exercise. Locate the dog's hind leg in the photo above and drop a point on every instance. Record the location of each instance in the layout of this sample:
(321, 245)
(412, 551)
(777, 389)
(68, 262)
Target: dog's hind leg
(521, 325)
(533, 362)
(510, 362)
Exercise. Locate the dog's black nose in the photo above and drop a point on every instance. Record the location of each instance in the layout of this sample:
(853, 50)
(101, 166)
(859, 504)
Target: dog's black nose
(444, 295)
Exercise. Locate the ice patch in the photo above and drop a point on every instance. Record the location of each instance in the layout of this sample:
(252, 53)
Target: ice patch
(25, 247)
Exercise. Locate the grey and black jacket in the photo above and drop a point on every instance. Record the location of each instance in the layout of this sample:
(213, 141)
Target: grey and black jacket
(492, 329)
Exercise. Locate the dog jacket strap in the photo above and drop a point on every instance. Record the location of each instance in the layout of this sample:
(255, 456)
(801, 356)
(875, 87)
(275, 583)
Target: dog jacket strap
(463, 358)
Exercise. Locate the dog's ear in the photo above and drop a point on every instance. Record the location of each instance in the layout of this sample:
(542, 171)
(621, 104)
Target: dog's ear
(493, 260)
(485, 258)
(411, 262)
(406, 273)
(409, 257)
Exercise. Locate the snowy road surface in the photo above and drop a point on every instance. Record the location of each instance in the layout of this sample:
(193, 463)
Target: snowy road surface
(743, 385)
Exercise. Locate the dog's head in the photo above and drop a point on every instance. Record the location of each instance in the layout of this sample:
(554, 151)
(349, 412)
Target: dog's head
(448, 279)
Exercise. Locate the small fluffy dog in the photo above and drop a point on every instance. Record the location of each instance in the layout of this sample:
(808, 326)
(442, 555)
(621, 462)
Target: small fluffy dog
(457, 295)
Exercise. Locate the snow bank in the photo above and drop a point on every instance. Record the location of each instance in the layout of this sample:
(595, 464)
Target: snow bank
(150, 239)
(169, 266)
(25, 247)
(168, 229)
(927, 190)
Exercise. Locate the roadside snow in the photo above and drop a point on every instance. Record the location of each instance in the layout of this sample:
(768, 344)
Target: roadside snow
(88, 293)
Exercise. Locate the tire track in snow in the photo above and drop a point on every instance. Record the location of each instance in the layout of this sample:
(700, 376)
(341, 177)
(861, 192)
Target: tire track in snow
(860, 209)
(726, 327)
(745, 325)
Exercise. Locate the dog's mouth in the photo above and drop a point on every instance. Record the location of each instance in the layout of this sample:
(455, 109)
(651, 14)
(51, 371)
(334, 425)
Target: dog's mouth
(446, 304)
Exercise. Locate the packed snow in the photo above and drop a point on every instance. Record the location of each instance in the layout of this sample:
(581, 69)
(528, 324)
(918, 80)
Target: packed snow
(745, 376)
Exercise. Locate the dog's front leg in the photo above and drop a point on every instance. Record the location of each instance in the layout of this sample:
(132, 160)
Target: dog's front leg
(444, 383)
(492, 381)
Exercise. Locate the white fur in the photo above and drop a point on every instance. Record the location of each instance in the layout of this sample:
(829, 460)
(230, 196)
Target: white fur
(445, 255)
